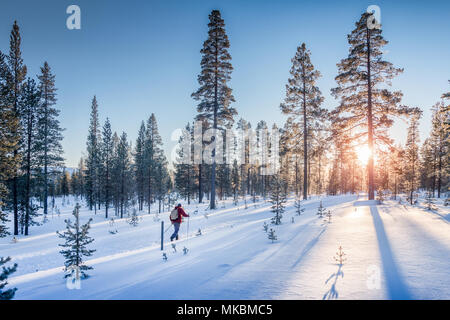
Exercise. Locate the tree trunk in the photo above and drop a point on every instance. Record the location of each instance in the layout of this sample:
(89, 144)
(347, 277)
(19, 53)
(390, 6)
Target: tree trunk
(305, 146)
(370, 121)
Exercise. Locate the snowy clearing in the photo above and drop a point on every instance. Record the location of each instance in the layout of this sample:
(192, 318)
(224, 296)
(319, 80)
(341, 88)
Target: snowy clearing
(393, 251)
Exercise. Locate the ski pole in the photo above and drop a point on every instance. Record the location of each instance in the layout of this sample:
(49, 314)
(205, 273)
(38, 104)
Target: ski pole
(187, 235)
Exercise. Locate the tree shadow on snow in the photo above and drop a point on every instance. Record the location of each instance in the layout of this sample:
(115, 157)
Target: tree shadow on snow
(332, 293)
(396, 288)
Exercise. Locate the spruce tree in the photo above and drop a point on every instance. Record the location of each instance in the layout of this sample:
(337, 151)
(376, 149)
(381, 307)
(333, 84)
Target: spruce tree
(153, 154)
(76, 238)
(9, 162)
(366, 106)
(4, 274)
(16, 75)
(29, 112)
(302, 102)
(321, 212)
(106, 151)
(81, 178)
(139, 165)
(123, 169)
(214, 94)
(235, 180)
(440, 134)
(49, 136)
(93, 158)
(278, 199)
(184, 169)
(412, 156)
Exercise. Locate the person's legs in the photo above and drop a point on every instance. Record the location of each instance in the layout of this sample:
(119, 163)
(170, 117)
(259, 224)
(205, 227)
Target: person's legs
(176, 226)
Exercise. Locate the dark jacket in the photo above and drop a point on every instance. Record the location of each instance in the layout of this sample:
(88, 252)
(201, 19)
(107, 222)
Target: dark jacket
(181, 214)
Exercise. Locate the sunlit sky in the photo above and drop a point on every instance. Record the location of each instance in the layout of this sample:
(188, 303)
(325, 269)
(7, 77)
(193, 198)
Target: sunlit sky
(140, 57)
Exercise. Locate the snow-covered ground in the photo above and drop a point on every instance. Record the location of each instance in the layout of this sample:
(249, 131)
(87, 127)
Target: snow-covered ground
(393, 251)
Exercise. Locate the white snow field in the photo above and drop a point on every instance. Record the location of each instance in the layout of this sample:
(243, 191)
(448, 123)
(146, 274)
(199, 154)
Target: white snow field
(393, 251)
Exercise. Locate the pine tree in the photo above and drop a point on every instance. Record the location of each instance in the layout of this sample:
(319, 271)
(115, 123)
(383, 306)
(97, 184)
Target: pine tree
(29, 111)
(153, 154)
(430, 201)
(93, 158)
(412, 156)
(340, 256)
(49, 136)
(214, 94)
(4, 274)
(134, 218)
(271, 235)
(64, 183)
(440, 135)
(123, 169)
(321, 211)
(139, 165)
(76, 239)
(298, 207)
(366, 106)
(278, 199)
(9, 162)
(16, 74)
(81, 170)
(235, 180)
(9, 141)
(184, 169)
(302, 102)
(106, 151)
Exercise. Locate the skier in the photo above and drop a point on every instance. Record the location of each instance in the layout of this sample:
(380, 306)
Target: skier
(176, 219)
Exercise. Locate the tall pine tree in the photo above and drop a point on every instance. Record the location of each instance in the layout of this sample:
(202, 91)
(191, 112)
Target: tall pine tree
(214, 94)
(366, 106)
(106, 164)
(16, 75)
(93, 158)
(49, 135)
(302, 102)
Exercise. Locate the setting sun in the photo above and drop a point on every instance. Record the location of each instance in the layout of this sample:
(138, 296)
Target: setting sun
(363, 154)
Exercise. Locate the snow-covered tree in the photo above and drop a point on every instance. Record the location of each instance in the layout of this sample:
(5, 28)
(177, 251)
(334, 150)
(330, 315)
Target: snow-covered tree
(4, 274)
(321, 211)
(271, 235)
(430, 201)
(278, 199)
(76, 238)
(134, 218)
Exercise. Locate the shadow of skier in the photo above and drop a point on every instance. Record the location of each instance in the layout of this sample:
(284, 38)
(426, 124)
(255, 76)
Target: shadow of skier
(332, 293)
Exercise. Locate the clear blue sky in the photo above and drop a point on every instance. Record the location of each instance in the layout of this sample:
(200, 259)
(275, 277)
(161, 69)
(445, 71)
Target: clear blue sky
(140, 57)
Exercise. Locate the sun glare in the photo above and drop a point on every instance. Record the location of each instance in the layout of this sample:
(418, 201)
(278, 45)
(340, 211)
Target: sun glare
(363, 154)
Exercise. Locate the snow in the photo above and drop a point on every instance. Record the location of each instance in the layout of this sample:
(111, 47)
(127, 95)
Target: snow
(393, 251)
